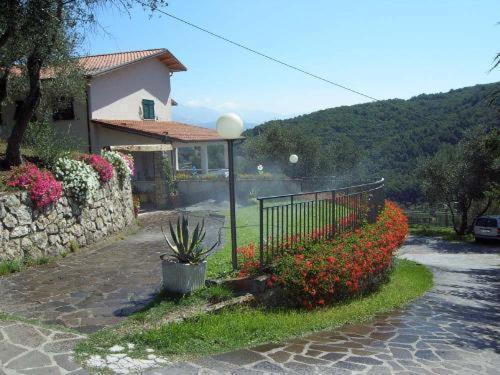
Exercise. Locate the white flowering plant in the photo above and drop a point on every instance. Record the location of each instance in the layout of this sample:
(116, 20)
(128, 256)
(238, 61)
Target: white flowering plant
(123, 164)
(79, 179)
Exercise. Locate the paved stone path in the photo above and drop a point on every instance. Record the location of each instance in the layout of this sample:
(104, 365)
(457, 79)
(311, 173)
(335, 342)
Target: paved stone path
(96, 288)
(453, 329)
(29, 349)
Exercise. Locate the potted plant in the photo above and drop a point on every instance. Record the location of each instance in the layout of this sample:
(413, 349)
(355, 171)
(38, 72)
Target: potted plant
(184, 270)
(173, 198)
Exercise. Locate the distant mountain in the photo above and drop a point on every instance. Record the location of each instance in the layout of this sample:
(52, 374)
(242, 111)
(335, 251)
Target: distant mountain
(207, 117)
(392, 134)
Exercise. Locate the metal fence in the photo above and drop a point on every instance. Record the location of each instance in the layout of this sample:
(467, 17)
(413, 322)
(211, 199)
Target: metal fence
(429, 218)
(291, 218)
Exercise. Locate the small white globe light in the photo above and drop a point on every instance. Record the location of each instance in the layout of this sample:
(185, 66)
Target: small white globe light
(230, 126)
(293, 159)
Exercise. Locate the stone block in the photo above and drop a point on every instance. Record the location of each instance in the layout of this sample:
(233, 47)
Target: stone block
(9, 221)
(19, 231)
(39, 239)
(52, 229)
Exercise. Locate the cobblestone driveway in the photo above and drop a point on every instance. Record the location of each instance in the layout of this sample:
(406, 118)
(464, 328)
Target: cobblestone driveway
(454, 329)
(96, 288)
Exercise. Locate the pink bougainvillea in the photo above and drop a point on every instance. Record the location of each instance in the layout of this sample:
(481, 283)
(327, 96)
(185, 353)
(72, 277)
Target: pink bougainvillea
(130, 162)
(100, 165)
(44, 189)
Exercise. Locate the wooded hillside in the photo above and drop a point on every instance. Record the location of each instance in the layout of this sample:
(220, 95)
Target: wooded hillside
(391, 135)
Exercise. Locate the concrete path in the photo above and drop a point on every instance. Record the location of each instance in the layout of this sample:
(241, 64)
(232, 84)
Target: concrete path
(99, 287)
(453, 329)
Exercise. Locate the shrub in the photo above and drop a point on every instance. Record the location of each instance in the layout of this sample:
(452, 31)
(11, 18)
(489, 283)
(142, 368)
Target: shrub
(315, 271)
(41, 184)
(49, 144)
(250, 265)
(123, 164)
(103, 167)
(79, 179)
(322, 272)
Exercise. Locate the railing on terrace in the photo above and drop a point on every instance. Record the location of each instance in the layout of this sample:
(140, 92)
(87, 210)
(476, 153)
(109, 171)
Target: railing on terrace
(292, 218)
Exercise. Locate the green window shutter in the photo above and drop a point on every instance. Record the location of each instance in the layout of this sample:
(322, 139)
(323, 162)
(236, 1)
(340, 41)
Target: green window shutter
(148, 109)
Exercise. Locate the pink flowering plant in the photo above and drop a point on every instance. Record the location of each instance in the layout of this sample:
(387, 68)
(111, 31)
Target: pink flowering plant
(130, 162)
(44, 189)
(123, 163)
(103, 167)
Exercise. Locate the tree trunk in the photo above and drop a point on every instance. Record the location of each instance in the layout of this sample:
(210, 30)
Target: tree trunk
(463, 223)
(26, 111)
(3, 92)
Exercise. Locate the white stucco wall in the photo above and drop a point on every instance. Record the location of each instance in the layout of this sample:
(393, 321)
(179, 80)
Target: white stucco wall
(118, 95)
(76, 128)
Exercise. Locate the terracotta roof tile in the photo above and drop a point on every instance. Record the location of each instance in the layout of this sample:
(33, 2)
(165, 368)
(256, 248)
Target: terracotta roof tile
(97, 64)
(171, 129)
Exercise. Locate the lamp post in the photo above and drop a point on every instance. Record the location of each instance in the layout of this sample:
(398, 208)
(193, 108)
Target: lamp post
(293, 159)
(230, 127)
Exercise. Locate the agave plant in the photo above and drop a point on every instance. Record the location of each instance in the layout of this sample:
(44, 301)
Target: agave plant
(188, 248)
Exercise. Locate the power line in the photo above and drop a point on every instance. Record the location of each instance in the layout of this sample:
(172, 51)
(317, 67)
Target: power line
(281, 62)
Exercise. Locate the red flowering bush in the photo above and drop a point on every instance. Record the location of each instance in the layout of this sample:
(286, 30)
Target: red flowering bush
(44, 189)
(321, 272)
(103, 167)
(250, 265)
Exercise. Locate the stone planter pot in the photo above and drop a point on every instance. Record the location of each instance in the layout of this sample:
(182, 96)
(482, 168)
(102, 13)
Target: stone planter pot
(182, 277)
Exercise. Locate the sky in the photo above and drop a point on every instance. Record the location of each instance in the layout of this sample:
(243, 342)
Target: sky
(386, 49)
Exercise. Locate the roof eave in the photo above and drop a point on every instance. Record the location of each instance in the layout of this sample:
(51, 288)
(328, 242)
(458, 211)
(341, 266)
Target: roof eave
(162, 137)
(181, 67)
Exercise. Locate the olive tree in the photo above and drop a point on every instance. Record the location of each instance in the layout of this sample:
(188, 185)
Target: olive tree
(465, 177)
(38, 40)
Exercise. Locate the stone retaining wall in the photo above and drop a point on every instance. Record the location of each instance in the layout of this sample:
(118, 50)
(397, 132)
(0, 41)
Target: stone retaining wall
(26, 233)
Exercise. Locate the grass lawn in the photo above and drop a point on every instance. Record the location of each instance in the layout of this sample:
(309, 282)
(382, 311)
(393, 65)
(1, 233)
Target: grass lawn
(245, 326)
(247, 224)
(446, 233)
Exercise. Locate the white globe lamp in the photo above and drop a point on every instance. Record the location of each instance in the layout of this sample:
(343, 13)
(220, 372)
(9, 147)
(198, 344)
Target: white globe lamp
(293, 159)
(230, 126)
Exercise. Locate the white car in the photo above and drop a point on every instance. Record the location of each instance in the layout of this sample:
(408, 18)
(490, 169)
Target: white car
(487, 228)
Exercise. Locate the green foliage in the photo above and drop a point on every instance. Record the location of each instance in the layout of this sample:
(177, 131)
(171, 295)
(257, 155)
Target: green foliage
(388, 136)
(9, 266)
(273, 146)
(445, 233)
(169, 175)
(188, 248)
(465, 177)
(49, 144)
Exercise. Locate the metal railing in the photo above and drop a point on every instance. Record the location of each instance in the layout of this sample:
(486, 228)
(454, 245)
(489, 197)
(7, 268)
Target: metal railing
(429, 218)
(291, 218)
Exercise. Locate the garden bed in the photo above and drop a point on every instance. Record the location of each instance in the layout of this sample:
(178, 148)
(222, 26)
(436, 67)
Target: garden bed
(325, 284)
(246, 326)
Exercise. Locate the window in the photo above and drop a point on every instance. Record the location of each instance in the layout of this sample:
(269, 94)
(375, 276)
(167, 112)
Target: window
(486, 222)
(64, 109)
(148, 109)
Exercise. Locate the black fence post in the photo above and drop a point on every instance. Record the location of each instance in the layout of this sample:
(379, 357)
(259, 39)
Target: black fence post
(261, 231)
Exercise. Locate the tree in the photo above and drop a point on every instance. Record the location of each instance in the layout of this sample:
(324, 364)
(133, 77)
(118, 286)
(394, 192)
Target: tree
(274, 145)
(464, 177)
(39, 37)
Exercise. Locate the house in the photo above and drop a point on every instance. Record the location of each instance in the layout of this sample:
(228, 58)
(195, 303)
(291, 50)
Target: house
(128, 106)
